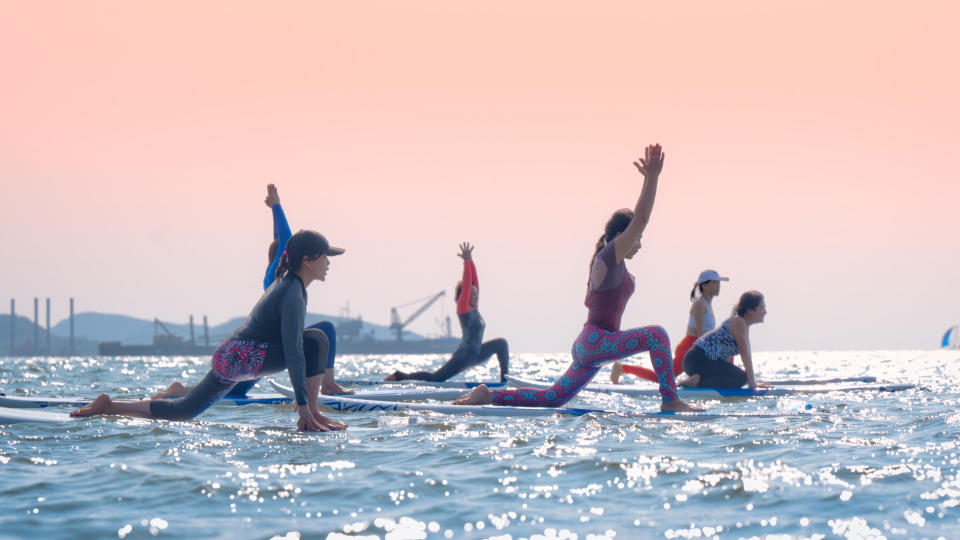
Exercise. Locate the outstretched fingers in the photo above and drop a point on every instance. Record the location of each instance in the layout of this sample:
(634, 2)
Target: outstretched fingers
(652, 161)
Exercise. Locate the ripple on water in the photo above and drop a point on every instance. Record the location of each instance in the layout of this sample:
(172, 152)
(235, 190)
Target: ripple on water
(864, 465)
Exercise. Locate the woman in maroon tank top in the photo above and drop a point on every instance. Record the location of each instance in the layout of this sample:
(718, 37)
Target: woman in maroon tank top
(609, 287)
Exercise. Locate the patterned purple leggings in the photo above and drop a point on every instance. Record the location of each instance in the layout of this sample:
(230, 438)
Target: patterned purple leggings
(593, 348)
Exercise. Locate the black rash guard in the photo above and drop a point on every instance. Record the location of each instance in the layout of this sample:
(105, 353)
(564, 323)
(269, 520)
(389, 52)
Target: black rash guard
(278, 317)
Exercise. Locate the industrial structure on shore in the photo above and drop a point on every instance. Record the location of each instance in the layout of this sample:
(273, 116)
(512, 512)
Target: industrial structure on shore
(353, 336)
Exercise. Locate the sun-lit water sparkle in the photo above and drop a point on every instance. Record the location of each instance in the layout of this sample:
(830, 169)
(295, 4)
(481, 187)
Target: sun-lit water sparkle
(860, 465)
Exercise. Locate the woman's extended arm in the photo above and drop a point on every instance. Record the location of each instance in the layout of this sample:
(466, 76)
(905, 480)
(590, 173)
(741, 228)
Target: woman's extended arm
(742, 334)
(469, 280)
(699, 312)
(650, 167)
(281, 232)
(293, 309)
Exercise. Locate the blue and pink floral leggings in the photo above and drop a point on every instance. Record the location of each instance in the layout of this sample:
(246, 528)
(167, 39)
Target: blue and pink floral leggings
(593, 348)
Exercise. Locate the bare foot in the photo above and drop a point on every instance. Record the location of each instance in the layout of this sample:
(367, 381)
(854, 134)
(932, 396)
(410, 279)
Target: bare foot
(616, 371)
(689, 382)
(176, 389)
(480, 395)
(392, 376)
(679, 405)
(97, 406)
(334, 389)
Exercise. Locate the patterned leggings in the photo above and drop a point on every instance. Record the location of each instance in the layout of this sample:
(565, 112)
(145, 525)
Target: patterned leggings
(593, 348)
(678, 354)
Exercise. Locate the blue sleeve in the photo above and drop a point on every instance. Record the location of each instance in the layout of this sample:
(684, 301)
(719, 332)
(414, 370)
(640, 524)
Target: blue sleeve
(281, 232)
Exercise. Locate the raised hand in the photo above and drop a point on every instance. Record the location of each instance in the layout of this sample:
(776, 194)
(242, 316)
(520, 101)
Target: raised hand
(273, 198)
(466, 251)
(652, 162)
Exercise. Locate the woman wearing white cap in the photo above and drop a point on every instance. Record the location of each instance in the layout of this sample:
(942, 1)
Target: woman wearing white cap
(702, 321)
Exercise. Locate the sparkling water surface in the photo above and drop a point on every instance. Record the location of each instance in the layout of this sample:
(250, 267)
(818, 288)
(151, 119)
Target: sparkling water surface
(861, 465)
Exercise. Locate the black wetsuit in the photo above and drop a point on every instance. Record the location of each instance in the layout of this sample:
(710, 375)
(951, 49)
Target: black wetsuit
(270, 340)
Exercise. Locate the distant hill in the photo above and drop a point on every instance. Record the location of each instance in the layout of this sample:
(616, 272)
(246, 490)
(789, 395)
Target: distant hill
(98, 327)
(23, 341)
(91, 328)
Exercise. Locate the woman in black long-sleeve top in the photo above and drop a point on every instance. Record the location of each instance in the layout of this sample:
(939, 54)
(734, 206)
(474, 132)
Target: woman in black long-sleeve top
(270, 340)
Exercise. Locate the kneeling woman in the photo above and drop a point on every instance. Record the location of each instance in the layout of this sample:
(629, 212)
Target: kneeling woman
(472, 350)
(608, 288)
(701, 322)
(271, 339)
(706, 362)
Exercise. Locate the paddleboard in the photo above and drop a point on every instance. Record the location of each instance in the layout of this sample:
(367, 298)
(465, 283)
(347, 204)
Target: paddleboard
(707, 393)
(401, 394)
(20, 416)
(32, 402)
(442, 384)
(797, 382)
(345, 404)
(15, 416)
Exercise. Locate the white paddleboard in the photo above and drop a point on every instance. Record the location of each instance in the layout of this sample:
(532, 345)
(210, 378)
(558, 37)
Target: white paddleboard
(33, 402)
(443, 384)
(400, 394)
(798, 382)
(284, 397)
(345, 404)
(707, 393)
(15, 416)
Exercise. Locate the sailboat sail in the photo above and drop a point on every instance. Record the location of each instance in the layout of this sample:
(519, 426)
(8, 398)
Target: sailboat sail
(950, 338)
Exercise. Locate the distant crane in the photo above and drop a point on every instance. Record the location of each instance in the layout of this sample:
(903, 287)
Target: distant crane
(397, 325)
(167, 338)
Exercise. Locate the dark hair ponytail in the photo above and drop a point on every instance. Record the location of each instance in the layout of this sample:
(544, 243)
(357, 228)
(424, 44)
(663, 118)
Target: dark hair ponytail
(617, 223)
(748, 300)
(693, 291)
(282, 267)
(600, 243)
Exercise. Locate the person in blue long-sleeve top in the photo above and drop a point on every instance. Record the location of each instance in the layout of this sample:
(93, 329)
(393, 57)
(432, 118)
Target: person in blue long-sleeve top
(281, 234)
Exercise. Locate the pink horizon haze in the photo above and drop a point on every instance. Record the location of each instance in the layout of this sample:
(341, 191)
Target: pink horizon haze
(810, 155)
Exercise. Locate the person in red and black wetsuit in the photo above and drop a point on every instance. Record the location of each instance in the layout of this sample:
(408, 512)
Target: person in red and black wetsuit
(472, 350)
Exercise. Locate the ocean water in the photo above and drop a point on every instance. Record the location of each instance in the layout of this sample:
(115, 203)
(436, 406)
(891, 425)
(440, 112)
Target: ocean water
(862, 465)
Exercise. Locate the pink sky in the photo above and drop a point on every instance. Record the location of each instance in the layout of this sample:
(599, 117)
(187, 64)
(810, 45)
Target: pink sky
(811, 155)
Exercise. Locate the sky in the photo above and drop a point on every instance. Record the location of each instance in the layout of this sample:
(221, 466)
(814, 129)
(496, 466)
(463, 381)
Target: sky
(810, 155)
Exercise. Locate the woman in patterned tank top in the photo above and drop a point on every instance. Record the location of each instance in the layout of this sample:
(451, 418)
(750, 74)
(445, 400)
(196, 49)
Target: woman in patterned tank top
(706, 362)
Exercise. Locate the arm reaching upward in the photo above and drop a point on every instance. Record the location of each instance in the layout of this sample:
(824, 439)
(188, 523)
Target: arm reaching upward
(281, 232)
(650, 167)
(469, 280)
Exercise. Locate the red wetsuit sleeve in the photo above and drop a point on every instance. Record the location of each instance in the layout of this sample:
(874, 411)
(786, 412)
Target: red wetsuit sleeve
(468, 283)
